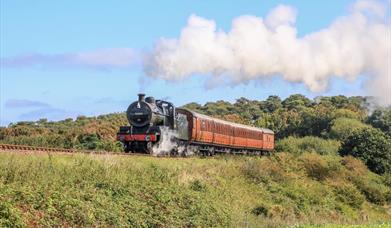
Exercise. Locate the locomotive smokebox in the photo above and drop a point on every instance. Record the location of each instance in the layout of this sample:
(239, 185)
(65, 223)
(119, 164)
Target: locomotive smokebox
(141, 97)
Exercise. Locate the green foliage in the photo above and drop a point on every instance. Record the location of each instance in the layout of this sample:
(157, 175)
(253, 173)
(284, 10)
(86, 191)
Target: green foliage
(10, 216)
(299, 146)
(88, 141)
(97, 133)
(381, 119)
(273, 103)
(316, 121)
(259, 210)
(316, 167)
(370, 145)
(374, 191)
(294, 116)
(296, 101)
(121, 191)
(342, 128)
(348, 193)
(101, 191)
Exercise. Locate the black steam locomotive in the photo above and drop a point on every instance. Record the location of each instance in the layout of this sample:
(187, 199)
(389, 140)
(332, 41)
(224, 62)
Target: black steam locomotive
(148, 119)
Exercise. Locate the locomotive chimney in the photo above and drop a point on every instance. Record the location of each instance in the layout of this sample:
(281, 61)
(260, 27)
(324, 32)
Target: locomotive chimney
(141, 97)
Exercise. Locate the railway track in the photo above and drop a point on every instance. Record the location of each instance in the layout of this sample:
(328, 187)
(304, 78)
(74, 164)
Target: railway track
(36, 149)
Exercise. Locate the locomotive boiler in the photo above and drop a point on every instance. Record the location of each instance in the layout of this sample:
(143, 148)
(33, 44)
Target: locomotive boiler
(155, 123)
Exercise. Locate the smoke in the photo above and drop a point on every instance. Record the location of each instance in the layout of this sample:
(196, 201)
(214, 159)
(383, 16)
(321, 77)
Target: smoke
(256, 48)
(169, 144)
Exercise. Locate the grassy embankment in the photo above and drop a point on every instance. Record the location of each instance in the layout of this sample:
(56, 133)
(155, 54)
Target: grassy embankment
(91, 190)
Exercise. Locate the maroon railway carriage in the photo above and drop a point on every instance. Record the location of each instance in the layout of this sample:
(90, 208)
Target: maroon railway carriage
(216, 135)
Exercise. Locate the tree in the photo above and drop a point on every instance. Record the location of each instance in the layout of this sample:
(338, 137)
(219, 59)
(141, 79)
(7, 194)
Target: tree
(273, 103)
(296, 101)
(372, 146)
(381, 119)
(339, 101)
(218, 108)
(315, 120)
(248, 109)
(193, 106)
(89, 141)
(342, 128)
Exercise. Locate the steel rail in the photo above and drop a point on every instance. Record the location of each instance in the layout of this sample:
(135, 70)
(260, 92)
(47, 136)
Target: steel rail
(12, 147)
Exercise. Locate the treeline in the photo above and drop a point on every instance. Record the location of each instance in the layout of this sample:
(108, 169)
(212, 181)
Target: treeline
(326, 125)
(91, 133)
(295, 116)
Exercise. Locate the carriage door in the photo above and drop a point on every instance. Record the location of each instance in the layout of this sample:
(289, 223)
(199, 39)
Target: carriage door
(182, 126)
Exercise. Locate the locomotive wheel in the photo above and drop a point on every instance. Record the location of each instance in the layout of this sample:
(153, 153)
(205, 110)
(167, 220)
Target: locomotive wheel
(127, 147)
(148, 148)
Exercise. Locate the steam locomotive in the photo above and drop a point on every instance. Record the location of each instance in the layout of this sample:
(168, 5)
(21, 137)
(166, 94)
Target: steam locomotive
(156, 126)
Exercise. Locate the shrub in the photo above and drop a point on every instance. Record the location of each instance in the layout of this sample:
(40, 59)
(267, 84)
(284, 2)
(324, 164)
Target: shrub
(264, 171)
(346, 113)
(343, 127)
(315, 166)
(259, 210)
(198, 186)
(354, 165)
(307, 144)
(387, 179)
(374, 192)
(371, 146)
(350, 195)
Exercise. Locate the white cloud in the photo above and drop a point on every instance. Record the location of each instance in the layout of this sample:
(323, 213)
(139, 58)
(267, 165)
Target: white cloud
(254, 48)
(110, 58)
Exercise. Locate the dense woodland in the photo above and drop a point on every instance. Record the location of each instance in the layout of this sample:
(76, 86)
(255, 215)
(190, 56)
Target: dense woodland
(325, 125)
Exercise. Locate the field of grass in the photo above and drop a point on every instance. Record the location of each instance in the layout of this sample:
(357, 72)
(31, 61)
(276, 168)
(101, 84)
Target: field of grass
(123, 191)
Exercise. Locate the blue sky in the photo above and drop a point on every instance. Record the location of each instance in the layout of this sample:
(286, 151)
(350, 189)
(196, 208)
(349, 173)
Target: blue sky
(57, 31)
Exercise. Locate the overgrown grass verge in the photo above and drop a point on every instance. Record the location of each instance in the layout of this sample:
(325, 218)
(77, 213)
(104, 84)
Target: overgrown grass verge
(92, 190)
(309, 144)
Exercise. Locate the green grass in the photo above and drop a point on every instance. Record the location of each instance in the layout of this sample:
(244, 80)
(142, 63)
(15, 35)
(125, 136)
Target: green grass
(120, 191)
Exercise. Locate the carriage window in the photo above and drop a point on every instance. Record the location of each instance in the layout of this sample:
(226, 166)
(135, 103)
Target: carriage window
(203, 125)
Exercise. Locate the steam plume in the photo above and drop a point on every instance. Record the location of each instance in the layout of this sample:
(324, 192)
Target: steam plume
(256, 48)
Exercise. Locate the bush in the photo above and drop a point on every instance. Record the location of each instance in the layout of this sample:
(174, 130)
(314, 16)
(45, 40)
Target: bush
(264, 171)
(316, 167)
(350, 195)
(346, 113)
(374, 192)
(343, 128)
(373, 187)
(354, 165)
(259, 210)
(371, 146)
(308, 144)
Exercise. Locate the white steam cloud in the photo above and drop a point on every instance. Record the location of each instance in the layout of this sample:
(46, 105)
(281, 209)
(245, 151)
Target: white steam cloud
(256, 48)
